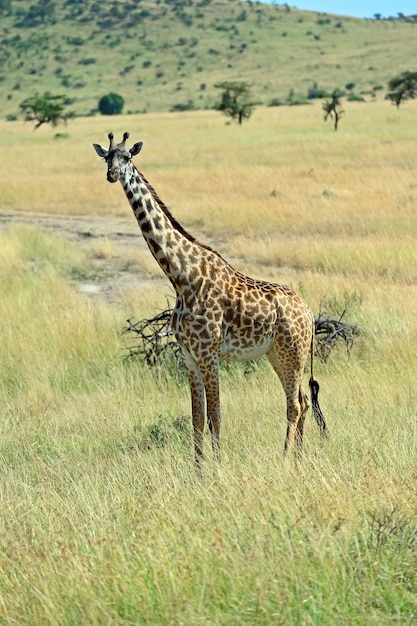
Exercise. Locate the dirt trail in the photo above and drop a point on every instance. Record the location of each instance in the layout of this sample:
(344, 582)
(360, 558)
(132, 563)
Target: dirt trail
(80, 228)
(111, 277)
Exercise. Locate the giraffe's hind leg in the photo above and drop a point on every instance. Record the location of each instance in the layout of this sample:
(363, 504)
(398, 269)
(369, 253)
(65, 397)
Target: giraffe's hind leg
(295, 420)
(289, 367)
(304, 404)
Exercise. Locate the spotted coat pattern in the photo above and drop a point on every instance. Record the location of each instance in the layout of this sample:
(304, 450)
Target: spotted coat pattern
(219, 312)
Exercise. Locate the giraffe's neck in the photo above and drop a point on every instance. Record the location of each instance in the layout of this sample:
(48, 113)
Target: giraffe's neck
(176, 251)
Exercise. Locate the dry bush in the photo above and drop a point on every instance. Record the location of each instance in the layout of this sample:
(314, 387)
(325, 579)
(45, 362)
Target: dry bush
(156, 345)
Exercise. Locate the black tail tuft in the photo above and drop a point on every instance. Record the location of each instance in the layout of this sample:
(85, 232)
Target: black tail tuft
(318, 415)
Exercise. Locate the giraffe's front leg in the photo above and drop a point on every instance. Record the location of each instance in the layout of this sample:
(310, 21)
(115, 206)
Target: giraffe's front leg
(291, 382)
(197, 406)
(210, 373)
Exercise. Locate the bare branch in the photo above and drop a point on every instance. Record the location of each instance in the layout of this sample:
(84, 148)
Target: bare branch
(330, 331)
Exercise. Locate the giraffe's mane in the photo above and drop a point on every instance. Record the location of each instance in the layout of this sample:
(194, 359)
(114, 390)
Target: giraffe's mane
(171, 218)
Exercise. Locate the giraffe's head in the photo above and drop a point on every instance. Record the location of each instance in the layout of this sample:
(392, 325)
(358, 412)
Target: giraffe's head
(117, 156)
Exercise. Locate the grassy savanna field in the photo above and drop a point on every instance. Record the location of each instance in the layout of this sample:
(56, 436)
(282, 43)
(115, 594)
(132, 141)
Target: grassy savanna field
(102, 518)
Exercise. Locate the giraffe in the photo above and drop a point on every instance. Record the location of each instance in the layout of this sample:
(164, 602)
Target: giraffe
(220, 313)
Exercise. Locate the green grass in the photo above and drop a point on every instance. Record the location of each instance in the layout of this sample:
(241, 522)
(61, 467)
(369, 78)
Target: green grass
(161, 54)
(103, 520)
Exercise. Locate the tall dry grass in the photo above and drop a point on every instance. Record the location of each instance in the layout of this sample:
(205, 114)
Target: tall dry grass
(103, 520)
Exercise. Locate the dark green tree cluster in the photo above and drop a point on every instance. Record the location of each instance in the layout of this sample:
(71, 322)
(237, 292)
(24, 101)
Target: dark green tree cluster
(5, 7)
(39, 14)
(111, 104)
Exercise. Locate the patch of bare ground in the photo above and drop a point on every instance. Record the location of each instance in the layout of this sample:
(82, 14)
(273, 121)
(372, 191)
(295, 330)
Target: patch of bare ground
(111, 273)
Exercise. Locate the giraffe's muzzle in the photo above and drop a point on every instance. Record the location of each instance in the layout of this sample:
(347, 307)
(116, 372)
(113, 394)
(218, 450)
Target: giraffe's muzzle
(112, 176)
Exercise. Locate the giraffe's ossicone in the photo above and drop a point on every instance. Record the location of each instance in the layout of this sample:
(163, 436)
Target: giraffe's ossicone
(219, 312)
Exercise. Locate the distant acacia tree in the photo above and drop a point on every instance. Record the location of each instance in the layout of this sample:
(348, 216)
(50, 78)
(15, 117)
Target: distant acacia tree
(332, 108)
(402, 87)
(235, 100)
(111, 104)
(46, 109)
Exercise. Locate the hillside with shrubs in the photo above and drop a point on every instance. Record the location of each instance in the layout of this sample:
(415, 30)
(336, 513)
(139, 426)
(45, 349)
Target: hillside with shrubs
(164, 55)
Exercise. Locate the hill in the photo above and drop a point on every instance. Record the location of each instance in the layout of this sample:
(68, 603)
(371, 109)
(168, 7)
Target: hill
(167, 54)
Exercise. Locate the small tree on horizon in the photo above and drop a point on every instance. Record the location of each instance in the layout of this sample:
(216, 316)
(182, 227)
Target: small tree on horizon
(46, 109)
(402, 87)
(332, 108)
(236, 100)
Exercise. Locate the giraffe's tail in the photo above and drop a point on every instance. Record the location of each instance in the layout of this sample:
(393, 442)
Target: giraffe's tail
(314, 390)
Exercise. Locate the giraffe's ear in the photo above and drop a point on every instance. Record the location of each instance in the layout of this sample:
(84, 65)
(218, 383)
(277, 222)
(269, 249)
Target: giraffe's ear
(136, 148)
(102, 152)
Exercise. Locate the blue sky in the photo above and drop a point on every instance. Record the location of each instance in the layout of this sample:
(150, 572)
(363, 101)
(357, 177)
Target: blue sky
(356, 8)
